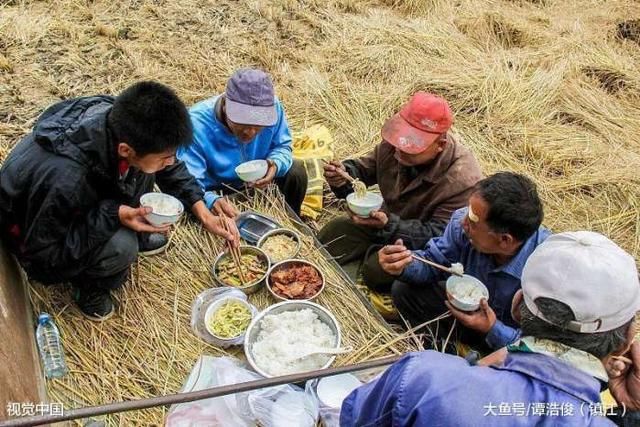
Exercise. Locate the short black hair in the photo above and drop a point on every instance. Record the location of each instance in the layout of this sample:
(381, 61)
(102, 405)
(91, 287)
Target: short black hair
(151, 118)
(514, 204)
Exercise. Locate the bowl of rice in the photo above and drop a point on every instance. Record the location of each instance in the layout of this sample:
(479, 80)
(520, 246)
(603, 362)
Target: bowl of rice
(466, 292)
(166, 209)
(280, 244)
(227, 319)
(284, 330)
(252, 170)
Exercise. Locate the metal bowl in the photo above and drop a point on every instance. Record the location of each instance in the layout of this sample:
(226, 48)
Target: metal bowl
(286, 232)
(253, 330)
(284, 264)
(250, 287)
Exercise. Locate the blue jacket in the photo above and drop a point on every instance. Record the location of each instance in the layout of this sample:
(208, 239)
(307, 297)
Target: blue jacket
(435, 389)
(501, 281)
(215, 151)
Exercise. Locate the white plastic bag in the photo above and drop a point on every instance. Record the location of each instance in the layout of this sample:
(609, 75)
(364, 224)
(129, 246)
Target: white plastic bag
(222, 411)
(282, 406)
(199, 309)
(285, 405)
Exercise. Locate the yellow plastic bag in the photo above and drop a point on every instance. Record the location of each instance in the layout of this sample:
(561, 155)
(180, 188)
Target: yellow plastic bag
(311, 146)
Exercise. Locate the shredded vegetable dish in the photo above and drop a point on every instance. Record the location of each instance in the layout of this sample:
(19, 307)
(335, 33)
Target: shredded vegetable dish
(230, 320)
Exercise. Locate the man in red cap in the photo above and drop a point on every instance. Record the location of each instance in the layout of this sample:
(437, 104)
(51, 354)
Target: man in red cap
(424, 175)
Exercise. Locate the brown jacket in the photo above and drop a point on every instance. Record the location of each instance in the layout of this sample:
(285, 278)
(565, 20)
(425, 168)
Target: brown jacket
(418, 200)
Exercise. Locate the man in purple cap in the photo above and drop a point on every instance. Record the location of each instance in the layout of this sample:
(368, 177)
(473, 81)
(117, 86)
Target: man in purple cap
(245, 123)
(424, 175)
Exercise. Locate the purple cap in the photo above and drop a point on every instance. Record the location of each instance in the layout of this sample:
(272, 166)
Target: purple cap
(250, 99)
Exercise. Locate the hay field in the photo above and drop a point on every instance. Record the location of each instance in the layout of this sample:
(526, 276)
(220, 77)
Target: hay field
(544, 87)
(549, 88)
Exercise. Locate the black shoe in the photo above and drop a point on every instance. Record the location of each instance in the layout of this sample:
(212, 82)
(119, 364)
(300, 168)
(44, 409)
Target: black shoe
(152, 243)
(95, 305)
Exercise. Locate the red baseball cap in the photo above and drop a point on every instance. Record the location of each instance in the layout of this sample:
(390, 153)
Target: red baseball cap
(419, 123)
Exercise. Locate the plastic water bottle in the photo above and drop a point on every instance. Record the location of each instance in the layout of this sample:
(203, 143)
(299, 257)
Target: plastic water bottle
(50, 347)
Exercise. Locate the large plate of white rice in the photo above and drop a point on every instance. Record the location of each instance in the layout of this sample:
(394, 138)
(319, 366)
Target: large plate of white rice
(287, 329)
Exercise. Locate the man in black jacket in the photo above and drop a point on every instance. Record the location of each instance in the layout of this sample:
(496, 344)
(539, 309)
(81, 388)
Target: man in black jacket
(70, 190)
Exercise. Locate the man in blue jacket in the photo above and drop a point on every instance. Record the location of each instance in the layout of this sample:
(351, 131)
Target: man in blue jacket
(245, 123)
(577, 307)
(492, 238)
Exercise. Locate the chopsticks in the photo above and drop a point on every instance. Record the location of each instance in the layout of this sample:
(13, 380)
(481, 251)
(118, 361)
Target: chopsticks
(235, 252)
(436, 265)
(342, 173)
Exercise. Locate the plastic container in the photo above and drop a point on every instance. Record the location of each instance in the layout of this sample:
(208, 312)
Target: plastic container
(50, 347)
(333, 390)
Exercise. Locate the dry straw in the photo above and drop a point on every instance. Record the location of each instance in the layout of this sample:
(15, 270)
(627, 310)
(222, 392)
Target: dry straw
(548, 88)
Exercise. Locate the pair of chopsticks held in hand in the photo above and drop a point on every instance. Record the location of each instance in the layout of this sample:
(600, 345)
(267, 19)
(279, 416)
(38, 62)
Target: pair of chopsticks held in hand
(234, 251)
(349, 178)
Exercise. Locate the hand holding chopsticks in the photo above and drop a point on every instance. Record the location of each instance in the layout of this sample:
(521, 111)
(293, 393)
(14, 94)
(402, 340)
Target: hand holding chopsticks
(339, 170)
(233, 250)
(436, 265)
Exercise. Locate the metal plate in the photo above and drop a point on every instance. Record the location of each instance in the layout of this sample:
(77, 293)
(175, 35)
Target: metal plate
(252, 226)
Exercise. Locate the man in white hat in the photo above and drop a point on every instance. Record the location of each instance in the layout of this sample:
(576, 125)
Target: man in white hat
(577, 307)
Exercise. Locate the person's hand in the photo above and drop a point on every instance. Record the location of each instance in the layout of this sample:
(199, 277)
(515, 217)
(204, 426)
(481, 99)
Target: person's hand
(394, 258)
(625, 384)
(134, 219)
(266, 180)
(377, 219)
(222, 207)
(214, 225)
(481, 320)
(331, 174)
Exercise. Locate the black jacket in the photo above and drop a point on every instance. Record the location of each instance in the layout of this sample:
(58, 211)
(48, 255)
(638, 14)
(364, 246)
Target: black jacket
(60, 187)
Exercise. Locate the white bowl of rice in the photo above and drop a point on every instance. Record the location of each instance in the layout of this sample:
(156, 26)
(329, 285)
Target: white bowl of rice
(166, 209)
(466, 292)
(284, 330)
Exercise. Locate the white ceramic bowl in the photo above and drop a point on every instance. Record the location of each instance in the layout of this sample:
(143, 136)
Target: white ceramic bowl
(333, 390)
(166, 209)
(464, 304)
(217, 305)
(364, 206)
(252, 171)
(253, 331)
